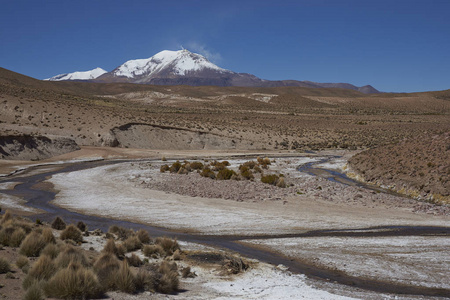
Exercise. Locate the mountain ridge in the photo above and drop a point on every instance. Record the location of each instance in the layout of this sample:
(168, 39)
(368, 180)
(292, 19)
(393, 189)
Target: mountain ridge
(183, 67)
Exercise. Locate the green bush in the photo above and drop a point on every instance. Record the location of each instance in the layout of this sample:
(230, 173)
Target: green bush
(225, 174)
(206, 172)
(196, 165)
(270, 179)
(175, 167)
(164, 168)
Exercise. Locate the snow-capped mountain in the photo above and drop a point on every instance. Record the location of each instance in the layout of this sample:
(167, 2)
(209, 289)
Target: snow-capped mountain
(186, 68)
(86, 75)
(168, 67)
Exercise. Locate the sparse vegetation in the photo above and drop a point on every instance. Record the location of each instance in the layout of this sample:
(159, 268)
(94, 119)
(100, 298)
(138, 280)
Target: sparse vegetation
(58, 224)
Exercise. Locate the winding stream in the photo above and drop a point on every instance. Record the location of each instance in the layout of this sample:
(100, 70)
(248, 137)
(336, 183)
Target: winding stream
(37, 196)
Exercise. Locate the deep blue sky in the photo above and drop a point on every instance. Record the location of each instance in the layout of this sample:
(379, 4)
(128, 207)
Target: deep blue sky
(394, 45)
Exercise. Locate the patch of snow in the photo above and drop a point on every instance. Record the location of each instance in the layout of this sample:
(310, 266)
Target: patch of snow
(86, 75)
(181, 62)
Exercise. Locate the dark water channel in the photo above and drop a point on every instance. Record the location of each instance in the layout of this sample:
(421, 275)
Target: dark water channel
(40, 197)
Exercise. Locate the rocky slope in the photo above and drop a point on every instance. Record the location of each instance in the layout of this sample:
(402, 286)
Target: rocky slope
(419, 167)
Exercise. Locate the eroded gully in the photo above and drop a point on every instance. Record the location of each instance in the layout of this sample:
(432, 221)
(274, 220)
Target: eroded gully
(39, 196)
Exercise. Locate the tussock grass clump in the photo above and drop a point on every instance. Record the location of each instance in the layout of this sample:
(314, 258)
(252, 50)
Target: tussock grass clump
(6, 217)
(169, 246)
(4, 266)
(69, 255)
(187, 273)
(34, 292)
(164, 168)
(145, 280)
(74, 282)
(6, 234)
(32, 245)
(246, 173)
(134, 260)
(22, 261)
(111, 247)
(106, 267)
(51, 250)
(153, 251)
(132, 243)
(143, 236)
(72, 233)
(281, 183)
(58, 224)
(120, 232)
(168, 281)
(48, 236)
(234, 265)
(17, 237)
(42, 269)
(125, 281)
(82, 226)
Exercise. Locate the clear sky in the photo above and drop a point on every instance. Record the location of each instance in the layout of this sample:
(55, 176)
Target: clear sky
(394, 45)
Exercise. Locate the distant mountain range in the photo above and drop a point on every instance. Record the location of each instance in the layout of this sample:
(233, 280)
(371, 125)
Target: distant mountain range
(186, 68)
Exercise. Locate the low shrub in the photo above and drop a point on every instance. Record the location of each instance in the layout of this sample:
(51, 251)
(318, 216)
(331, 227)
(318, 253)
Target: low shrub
(69, 255)
(270, 179)
(206, 172)
(6, 217)
(22, 261)
(34, 292)
(169, 246)
(164, 168)
(175, 167)
(153, 251)
(234, 265)
(42, 269)
(168, 281)
(6, 235)
(51, 250)
(225, 174)
(121, 232)
(74, 282)
(4, 266)
(134, 260)
(48, 236)
(32, 245)
(145, 280)
(111, 247)
(82, 226)
(143, 236)
(106, 266)
(58, 224)
(196, 165)
(17, 237)
(125, 279)
(72, 233)
(187, 273)
(132, 243)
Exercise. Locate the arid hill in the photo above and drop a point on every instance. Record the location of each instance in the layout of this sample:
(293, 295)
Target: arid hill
(146, 116)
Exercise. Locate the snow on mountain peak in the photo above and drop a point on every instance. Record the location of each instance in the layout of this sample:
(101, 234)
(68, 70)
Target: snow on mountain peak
(177, 62)
(86, 75)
